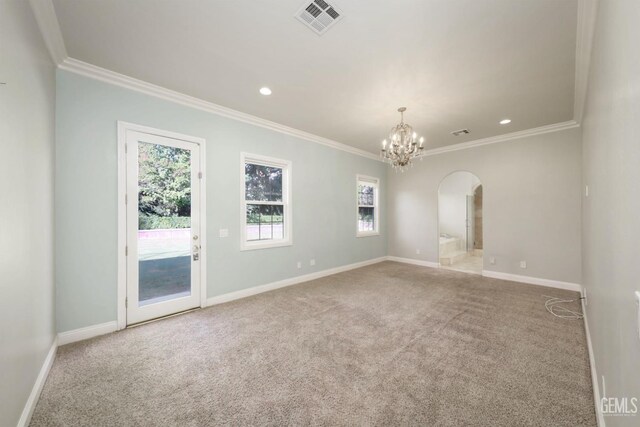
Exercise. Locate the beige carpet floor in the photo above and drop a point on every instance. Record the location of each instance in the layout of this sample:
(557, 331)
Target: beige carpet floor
(388, 344)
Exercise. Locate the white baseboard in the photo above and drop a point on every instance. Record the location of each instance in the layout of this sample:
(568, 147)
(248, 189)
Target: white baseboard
(497, 275)
(86, 333)
(231, 296)
(414, 261)
(30, 406)
(594, 374)
(533, 280)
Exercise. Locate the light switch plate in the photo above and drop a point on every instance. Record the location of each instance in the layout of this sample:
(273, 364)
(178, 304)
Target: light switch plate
(523, 264)
(224, 232)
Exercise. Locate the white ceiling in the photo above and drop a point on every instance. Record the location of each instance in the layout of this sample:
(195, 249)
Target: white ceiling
(453, 63)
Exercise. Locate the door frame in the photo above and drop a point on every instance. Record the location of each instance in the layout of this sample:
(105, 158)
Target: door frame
(438, 218)
(123, 128)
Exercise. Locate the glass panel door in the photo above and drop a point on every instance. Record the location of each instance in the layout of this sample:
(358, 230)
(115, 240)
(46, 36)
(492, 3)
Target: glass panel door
(162, 226)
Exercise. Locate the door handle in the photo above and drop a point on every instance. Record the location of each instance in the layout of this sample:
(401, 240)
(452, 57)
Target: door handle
(196, 252)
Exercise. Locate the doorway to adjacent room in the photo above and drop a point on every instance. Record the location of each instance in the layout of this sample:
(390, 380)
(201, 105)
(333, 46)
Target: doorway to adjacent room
(460, 219)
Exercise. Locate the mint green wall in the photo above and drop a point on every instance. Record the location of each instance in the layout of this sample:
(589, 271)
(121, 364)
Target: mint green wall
(323, 186)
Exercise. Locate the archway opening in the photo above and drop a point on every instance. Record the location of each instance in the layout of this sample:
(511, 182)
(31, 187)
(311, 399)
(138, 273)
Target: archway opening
(460, 220)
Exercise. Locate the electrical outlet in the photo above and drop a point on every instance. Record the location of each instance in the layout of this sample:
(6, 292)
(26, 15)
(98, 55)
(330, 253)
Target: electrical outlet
(299, 264)
(417, 251)
(312, 262)
(224, 232)
(523, 264)
(492, 260)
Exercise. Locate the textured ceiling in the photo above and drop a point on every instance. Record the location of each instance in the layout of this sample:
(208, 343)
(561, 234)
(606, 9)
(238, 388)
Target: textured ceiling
(453, 63)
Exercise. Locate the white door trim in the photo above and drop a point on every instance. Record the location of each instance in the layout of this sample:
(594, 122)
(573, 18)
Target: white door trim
(123, 128)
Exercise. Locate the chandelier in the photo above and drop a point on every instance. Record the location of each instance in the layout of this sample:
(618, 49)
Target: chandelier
(403, 145)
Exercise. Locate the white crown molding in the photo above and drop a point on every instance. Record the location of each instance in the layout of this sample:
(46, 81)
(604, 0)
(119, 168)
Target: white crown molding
(587, 10)
(49, 26)
(502, 138)
(102, 74)
(47, 20)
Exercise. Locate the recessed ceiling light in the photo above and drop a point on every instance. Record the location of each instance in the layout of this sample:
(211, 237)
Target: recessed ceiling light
(505, 121)
(265, 91)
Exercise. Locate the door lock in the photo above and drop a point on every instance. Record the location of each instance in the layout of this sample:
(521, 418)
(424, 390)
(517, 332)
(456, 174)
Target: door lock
(196, 252)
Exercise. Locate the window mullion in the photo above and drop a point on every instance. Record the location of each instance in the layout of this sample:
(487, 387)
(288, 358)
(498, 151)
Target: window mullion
(263, 202)
(271, 178)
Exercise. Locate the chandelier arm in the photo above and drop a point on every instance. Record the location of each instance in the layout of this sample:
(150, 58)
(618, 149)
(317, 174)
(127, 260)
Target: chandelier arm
(403, 145)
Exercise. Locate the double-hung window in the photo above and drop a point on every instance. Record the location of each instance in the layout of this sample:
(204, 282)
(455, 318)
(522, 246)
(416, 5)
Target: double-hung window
(266, 202)
(368, 212)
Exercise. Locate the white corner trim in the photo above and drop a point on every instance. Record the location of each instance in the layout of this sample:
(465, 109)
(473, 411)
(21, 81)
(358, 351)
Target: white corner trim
(232, 296)
(121, 293)
(533, 280)
(47, 20)
(87, 332)
(414, 261)
(502, 138)
(587, 10)
(30, 406)
(592, 364)
(102, 74)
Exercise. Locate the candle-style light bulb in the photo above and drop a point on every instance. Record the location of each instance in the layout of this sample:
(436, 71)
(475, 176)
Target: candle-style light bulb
(384, 144)
(421, 141)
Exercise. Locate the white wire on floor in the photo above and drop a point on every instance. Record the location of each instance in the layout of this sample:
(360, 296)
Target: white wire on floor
(553, 306)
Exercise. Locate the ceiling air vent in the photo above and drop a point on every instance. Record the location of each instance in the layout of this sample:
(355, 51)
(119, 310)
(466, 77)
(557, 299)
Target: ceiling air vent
(460, 132)
(318, 15)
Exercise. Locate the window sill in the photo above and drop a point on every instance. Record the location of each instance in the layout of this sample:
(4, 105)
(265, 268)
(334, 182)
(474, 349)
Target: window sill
(249, 246)
(368, 234)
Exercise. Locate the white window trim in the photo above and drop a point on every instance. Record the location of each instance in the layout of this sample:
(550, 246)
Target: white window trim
(286, 200)
(376, 205)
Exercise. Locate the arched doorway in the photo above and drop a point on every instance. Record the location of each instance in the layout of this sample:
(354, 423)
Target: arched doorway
(460, 219)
